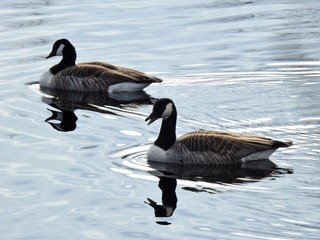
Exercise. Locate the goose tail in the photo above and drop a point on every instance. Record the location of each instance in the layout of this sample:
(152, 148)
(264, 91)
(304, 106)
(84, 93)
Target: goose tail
(279, 144)
(155, 79)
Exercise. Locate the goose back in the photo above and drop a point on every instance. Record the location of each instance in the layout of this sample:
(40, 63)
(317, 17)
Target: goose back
(225, 147)
(88, 77)
(135, 75)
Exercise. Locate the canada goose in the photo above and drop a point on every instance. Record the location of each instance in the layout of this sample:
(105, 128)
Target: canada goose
(204, 147)
(90, 76)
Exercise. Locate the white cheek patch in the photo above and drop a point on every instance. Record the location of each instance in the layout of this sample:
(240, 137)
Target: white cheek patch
(60, 49)
(167, 112)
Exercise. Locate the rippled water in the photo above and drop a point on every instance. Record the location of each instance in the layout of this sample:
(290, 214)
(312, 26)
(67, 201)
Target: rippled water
(243, 66)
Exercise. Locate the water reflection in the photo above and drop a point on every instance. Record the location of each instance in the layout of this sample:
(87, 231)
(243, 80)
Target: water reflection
(169, 199)
(225, 174)
(66, 120)
(66, 102)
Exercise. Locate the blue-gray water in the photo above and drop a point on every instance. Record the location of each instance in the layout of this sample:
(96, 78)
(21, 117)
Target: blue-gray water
(243, 66)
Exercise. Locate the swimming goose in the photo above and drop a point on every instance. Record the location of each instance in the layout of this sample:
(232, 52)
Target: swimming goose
(204, 147)
(90, 76)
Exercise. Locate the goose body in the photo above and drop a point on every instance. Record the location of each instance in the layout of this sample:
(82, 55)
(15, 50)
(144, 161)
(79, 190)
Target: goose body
(204, 147)
(91, 76)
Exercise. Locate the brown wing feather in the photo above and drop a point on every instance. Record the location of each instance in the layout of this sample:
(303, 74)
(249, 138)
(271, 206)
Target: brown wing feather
(239, 145)
(88, 77)
(97, 73)
(132, 74)
(82, 70)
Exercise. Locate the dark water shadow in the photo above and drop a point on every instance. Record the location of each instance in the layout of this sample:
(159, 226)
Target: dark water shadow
(63, 117)
(168, 174)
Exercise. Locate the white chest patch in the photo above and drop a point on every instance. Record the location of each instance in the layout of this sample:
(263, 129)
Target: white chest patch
(45, 79)
(127, 87)
(156, 154)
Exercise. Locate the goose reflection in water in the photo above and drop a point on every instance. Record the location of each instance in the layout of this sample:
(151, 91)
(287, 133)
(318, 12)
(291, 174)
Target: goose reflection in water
(66, 120)
(169, 198)
(220, 174)
(66, 102)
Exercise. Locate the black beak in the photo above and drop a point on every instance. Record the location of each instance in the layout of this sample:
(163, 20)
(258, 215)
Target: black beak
(52, 54)
(151, 118)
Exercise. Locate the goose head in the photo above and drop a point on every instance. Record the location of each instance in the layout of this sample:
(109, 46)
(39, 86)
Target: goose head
(163, 108)
(62, 47)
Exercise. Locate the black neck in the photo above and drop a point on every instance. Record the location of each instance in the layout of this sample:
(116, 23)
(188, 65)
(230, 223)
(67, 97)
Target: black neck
(167, 135)
(68, 60)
